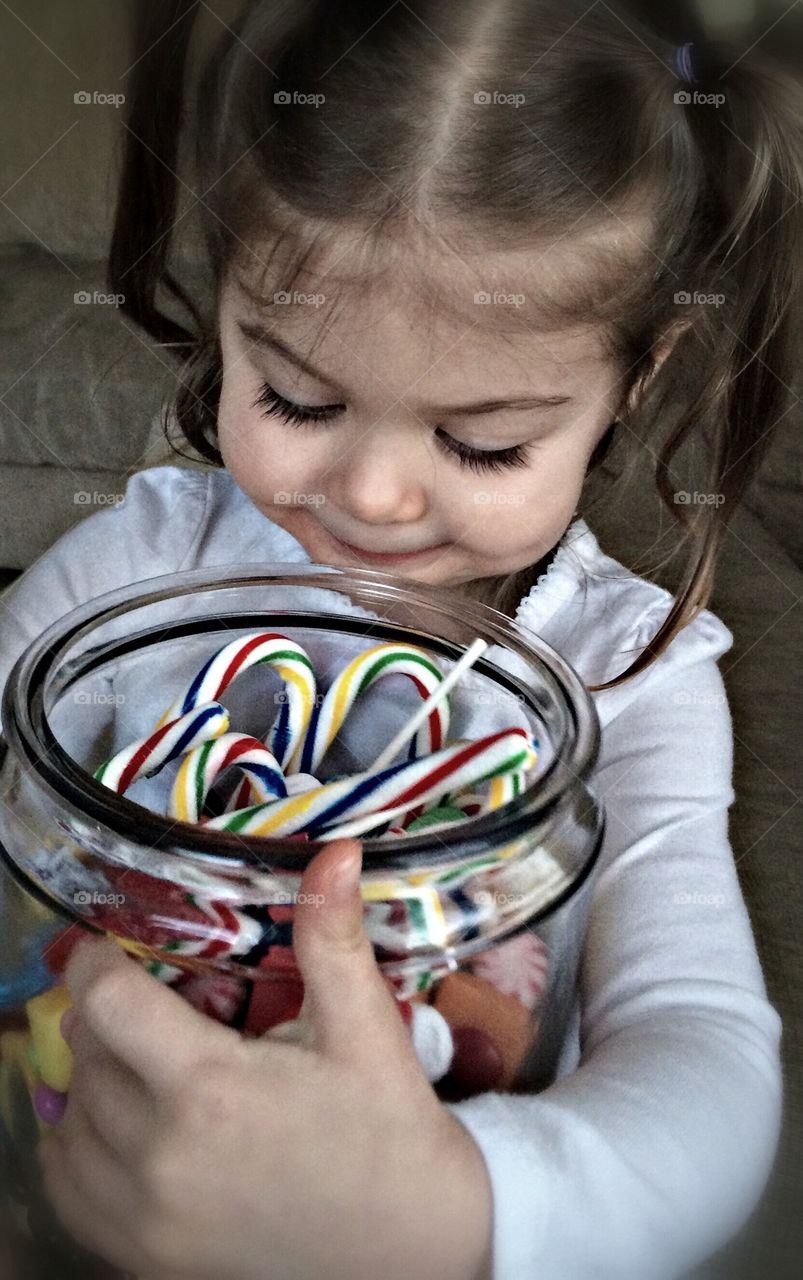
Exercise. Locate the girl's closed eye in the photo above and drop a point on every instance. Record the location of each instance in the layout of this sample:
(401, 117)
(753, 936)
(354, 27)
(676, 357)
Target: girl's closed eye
(293, 414)
(297, 415)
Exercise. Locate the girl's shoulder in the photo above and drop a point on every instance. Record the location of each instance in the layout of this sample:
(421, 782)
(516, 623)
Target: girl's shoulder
(222, 525)
(599, 615)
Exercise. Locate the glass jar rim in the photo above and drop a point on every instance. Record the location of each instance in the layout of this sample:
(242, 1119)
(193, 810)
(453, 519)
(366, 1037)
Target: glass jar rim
(32, 738)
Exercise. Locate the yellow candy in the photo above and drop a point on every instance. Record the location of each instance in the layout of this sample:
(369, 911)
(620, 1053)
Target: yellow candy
(139, 949)
(52, 1051)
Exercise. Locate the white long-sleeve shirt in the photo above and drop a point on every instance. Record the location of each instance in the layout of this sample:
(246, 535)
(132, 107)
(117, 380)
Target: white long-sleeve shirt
(655, 1141)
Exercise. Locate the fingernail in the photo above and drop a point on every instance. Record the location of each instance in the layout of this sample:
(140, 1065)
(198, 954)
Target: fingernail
(50, 1105)
(348, 874)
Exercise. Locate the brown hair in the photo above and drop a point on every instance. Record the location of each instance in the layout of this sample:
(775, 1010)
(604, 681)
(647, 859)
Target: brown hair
(604, 124)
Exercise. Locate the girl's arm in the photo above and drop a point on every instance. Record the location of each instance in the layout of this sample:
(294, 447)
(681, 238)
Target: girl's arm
(654, 1151)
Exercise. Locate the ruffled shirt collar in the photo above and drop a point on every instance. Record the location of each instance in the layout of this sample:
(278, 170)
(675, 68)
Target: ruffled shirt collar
(576, 552)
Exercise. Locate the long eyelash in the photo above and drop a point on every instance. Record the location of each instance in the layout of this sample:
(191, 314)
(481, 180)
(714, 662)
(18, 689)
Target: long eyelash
(483, 459)
(296, 415)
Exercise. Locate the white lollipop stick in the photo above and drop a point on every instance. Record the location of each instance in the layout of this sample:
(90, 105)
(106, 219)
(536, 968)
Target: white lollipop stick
(472, 653)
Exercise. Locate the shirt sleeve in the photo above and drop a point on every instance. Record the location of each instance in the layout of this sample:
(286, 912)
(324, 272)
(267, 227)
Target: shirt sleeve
(653, 1152)
(153, 530)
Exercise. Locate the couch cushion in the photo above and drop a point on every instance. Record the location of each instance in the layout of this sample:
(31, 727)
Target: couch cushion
(59, 172)
(39, 504)
(82, 381)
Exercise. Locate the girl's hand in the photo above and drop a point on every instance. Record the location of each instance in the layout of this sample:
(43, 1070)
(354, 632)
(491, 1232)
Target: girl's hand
(189, 1153)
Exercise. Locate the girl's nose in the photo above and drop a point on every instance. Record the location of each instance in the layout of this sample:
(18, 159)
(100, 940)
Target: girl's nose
(380, 483)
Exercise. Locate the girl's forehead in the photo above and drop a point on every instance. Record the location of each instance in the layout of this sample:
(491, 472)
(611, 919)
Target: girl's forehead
(559, 291)
(392, 336)
(544, 303)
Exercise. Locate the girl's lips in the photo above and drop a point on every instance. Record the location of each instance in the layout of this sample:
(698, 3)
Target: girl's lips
(383, 557)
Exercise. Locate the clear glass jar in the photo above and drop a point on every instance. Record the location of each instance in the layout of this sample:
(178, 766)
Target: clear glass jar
(482, 919)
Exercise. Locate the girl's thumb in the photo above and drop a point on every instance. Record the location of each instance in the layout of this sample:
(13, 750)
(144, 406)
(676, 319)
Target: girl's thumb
(346, 999)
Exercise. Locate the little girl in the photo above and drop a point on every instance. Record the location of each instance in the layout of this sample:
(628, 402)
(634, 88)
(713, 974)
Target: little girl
(457, 250)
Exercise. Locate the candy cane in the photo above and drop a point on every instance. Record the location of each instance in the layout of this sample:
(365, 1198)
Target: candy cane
(201, 766)
(294, 783)
(292, 664)
(386, 793)
(412, 815)
(361, 672)
(228, 933)
(501, 790)
(330, 712)
(147, 755)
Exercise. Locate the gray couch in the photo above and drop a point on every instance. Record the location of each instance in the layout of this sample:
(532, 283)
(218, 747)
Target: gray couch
(83, 388)
(81, 385)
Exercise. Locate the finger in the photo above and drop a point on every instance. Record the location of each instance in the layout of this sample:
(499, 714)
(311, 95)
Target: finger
(96, 1225)
(138, 1019)
(115, 1103)
(346, 999)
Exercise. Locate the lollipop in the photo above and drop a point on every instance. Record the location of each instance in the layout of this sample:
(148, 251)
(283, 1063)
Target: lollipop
(359, 675)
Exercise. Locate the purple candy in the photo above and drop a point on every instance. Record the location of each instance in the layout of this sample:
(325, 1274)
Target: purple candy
(49, 1103)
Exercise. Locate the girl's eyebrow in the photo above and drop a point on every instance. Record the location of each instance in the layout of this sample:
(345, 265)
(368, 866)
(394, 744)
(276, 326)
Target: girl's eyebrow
(264, 338)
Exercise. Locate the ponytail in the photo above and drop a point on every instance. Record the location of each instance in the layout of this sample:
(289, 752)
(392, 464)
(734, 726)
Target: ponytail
(751, 148)
(147, 198)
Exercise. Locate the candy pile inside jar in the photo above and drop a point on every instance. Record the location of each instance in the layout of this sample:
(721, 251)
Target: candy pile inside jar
(470, 1028)
(280, 794)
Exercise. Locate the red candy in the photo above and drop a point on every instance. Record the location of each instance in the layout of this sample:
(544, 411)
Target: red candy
(218, 997)
(60, 948)
(406, 1010)
(273, 1000)
(477, 1065)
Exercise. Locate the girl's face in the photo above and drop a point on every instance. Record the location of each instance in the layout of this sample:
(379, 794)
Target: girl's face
(427, 447)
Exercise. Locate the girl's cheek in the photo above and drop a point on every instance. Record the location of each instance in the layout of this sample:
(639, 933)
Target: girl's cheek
(268, 466)
(526, 515)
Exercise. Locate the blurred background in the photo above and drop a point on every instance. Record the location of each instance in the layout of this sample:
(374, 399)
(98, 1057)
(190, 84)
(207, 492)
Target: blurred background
(81, 385)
